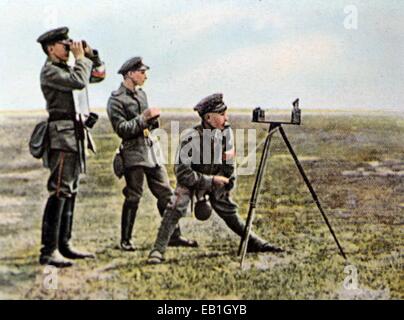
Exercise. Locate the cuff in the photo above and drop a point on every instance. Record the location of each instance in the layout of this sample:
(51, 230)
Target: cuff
(142, 122)
(85, 60)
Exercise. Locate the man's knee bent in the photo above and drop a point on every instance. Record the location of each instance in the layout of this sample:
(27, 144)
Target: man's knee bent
(178, 205)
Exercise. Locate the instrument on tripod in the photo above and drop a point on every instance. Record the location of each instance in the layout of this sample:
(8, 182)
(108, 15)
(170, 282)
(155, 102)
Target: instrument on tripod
(259, 117)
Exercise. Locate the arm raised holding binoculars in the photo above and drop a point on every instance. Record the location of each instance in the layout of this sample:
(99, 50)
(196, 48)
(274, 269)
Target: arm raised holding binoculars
(77, 49)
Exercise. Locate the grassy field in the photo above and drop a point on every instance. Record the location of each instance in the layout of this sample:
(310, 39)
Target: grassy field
(355, 163)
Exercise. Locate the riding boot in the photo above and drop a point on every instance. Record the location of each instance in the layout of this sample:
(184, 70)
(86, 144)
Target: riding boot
(129, 211)
(255, 243)
(50, 233)
(65, 235)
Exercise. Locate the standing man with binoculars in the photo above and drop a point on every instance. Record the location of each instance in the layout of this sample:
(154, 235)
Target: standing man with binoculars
(67, 133)
(132, 120)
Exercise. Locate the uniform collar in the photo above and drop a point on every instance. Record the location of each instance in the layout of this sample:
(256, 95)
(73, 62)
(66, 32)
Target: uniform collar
(129, 92)
(56, 61)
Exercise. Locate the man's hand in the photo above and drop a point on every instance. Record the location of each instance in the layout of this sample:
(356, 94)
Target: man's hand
(77, 49)
(151, 113)
(220, 181)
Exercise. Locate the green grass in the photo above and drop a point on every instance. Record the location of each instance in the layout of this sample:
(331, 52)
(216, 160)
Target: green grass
(366, 213)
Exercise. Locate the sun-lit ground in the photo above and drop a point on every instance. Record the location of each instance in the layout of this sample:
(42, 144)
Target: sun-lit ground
(354, 161)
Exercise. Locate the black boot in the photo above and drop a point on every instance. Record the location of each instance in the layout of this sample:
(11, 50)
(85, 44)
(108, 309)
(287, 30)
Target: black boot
(128, 220)
(65, 247)
(263, 247)
(50, 233)
(255, 243)
(177, 240)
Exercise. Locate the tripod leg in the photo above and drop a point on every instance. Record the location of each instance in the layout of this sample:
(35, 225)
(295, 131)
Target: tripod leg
(261, 168)
(313, 193)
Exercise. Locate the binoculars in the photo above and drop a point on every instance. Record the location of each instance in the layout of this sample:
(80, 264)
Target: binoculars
(91, 120)
(67, 44)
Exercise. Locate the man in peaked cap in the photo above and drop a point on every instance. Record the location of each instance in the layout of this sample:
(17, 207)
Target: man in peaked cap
(133, 64)
(133, 120)
(58, 81)
(213, 177)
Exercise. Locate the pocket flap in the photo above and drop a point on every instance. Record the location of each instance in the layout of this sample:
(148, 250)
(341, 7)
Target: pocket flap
(63, 125)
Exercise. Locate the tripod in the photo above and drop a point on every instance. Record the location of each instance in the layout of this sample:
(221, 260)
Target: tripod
(273, 127)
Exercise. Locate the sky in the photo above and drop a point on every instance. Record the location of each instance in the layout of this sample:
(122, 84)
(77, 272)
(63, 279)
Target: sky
(338, 54)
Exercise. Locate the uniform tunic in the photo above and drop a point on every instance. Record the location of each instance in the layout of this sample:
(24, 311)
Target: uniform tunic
(58, 80)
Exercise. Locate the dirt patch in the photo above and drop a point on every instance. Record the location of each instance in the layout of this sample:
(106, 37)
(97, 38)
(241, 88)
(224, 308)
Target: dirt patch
(388, 168)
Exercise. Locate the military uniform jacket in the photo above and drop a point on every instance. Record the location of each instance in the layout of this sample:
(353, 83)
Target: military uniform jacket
(196, 165)
(125, 110)
(58, 80)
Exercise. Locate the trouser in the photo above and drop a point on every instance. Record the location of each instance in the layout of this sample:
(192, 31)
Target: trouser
(64, 173)
(177, 208)
(157, 180)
